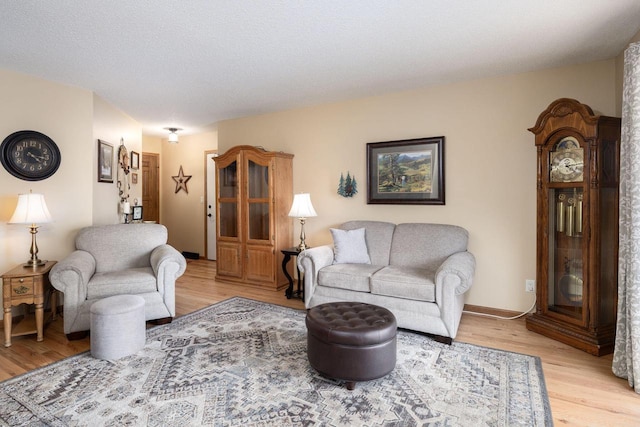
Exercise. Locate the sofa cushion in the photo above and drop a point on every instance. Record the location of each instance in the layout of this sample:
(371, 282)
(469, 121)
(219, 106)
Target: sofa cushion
(349, 246)
(353, 277)
(378, 236)
(130, 281)
(405, 282)
(426, 246)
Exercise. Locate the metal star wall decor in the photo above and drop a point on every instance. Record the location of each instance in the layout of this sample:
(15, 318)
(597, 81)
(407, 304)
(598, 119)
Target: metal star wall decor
(181, 181)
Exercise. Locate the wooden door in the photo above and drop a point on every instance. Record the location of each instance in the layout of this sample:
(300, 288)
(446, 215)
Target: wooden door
(151, 187)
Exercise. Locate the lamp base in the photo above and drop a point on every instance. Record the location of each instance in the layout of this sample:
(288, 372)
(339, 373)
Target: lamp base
(34, 263)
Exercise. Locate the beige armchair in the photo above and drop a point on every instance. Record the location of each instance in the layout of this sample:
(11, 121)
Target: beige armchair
(115, 260)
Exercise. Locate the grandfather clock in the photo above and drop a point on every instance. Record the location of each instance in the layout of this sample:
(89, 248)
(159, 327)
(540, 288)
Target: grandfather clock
(577, 228)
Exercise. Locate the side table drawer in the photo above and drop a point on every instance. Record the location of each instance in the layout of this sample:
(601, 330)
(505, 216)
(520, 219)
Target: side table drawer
(22, 286)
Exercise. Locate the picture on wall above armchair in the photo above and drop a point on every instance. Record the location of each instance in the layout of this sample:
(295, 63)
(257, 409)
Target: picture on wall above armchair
(105, 161)
(406, 172)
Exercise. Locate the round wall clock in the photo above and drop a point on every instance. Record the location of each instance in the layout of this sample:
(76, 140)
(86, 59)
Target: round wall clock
(30, 155)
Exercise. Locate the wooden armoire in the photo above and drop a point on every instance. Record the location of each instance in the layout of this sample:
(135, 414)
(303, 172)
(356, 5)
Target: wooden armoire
(254, 191)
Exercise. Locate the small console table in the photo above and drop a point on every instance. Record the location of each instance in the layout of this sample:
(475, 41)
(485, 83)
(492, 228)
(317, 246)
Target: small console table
(27, 285)
(288, 253)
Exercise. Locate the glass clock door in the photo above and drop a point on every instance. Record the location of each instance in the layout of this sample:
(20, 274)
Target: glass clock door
(566, 291)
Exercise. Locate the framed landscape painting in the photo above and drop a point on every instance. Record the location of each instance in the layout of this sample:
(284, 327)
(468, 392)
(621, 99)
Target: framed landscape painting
(406, 172)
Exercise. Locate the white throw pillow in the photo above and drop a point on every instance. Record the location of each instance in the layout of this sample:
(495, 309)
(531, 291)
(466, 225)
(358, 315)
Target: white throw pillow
(349, 246)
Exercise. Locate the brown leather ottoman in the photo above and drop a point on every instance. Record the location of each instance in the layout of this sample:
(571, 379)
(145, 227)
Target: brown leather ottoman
(351, 341)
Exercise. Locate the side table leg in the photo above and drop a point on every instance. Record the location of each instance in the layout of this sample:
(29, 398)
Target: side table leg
(40, 321)
(7, 327)
(285, 261)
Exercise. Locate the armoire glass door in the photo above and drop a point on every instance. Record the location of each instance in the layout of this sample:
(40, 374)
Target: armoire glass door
(228, 195)
(258, 188)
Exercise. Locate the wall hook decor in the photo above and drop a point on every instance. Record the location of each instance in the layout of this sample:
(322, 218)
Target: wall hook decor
(181, 181)
(348, 187)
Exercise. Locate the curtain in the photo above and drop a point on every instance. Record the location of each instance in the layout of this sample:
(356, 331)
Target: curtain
(626, 356)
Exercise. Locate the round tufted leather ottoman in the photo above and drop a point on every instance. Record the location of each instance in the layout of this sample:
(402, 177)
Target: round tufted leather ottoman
(351, 341)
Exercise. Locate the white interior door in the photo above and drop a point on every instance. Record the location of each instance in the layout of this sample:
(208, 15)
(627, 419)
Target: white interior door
(211, 206)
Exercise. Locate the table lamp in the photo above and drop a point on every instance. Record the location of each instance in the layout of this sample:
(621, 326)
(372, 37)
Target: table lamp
(31, 209)
(302, 209)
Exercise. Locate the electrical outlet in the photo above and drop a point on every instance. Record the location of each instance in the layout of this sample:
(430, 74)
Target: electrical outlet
(530, 285)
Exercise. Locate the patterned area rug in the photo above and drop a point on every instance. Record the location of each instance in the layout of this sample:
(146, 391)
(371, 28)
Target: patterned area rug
(243, 363)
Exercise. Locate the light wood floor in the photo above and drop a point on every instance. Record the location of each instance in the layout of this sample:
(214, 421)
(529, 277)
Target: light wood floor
(582, 390)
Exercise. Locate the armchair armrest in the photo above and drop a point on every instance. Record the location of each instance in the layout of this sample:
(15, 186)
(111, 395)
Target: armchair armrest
(310, 261)
(72, 274)
(168, 264)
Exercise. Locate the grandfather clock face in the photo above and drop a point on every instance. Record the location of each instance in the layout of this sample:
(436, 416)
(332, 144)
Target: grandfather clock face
(566, 161)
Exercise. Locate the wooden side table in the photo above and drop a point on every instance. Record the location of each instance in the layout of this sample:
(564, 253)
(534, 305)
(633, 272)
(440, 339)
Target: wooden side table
(27, 285)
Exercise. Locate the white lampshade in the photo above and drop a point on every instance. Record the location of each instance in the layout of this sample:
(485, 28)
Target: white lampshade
(31, 209)
(302, 207)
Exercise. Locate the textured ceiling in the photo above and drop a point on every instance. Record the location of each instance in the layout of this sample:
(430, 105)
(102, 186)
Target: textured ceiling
(192, 63)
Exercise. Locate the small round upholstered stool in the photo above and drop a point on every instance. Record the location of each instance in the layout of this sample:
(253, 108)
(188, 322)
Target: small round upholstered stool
(351, 341)
(118, 326)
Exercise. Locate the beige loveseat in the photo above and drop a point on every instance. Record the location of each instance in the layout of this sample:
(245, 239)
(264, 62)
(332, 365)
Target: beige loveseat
(118, 259)
(420, 272)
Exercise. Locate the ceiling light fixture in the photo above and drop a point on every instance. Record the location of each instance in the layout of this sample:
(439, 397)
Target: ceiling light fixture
(173, 136)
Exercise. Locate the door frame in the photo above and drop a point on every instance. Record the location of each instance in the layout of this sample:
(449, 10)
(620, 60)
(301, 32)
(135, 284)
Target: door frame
(206, 201)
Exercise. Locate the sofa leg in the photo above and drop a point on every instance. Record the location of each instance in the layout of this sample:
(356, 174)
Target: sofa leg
(162, 321)
(77, 335)
(443, 340)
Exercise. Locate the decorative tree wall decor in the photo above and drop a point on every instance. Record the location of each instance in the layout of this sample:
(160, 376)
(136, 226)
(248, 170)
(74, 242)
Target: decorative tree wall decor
(348, 187)
(181, 181)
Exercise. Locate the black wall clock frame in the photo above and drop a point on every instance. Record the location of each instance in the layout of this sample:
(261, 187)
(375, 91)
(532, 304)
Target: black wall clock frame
(30, 155)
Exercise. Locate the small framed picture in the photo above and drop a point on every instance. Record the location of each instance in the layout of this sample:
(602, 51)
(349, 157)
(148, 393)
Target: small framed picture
(135, 160)
(134, 178)
(105, 161)
(136, 213)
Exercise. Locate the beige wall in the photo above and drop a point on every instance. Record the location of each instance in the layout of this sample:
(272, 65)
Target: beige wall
(490, 161)
(63, 113)
(111, 125)
(184, 214)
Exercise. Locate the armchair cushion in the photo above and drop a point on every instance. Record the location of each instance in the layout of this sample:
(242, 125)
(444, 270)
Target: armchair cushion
(120, 246)
(123, 282)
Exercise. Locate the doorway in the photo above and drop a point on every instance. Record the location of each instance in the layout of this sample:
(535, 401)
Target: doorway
(151, 187)
(210, 205)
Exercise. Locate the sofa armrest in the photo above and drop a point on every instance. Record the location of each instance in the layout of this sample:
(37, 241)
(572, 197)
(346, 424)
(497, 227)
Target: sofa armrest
(460, 264)
(310, 261)
(453, 278)
(72, 274)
